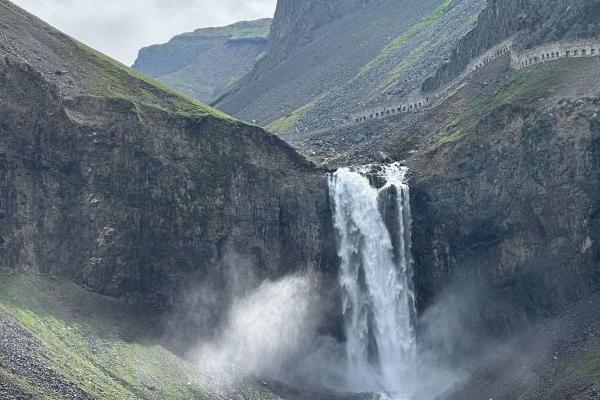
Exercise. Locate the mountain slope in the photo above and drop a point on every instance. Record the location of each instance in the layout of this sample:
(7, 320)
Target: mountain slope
(134, 190)
(369, 53)
(504, 171)
(205, 62)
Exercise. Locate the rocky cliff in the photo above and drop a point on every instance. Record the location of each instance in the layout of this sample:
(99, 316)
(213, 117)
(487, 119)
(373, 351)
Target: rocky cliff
(133, 190)
(504, 172)
(205, 62)
(505, 206)
(296, 23)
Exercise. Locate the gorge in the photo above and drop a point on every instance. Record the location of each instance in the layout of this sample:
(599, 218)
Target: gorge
(154, 247)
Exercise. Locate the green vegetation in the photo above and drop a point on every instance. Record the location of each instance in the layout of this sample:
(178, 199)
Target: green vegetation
(241, 30)
(418, 53)
(252, 32)
(413, 31)
(522, 87)
(24, 384)
(287, 122)
(590, 366)
(409, 61)
(112, 79)
(87, 346)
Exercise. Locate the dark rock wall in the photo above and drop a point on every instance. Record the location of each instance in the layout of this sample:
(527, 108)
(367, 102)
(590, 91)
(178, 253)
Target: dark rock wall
(512, 211)
(296, 22)
(137, 202)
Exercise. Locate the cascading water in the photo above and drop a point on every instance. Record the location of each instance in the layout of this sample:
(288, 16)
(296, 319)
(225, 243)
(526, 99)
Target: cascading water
(372, 221)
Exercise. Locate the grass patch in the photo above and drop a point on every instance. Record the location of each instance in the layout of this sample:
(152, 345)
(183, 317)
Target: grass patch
(524, 86)
(590, 365)
(241, 30)
(287, 122)
(409, 61)
(413, 31)
(24, 384)
(419, 52)
(89, 352)
(253, 32)
(110, 78)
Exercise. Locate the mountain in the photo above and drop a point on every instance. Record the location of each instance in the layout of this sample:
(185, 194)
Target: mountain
(125, 204)
(204, 63)
(118, 184)
(504, 163)
(323, 65)
(140, 164)
(494, 158)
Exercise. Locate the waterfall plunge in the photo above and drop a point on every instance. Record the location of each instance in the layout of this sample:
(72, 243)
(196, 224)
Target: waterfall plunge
(373, 229)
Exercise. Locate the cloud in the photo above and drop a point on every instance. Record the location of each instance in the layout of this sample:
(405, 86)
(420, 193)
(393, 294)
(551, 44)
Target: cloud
(120, 28)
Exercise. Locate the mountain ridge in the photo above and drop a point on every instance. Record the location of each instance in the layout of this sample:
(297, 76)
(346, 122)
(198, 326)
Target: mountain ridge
(205, 62)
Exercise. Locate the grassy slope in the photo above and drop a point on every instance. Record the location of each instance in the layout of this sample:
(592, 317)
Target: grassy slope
(413, 31)
(113, 79)
(106, 348)
(241, 30)
(521, 87)
(187, 78)
(94, 73)
(92, 343)
(286, 122)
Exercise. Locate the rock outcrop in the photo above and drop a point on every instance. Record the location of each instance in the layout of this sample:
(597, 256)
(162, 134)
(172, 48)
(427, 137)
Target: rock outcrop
(135, 191)
(533, 21)
(205, 62)
(513, 210)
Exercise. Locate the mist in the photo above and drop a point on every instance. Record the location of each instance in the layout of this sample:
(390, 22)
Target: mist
(274, 333)
(265, 332)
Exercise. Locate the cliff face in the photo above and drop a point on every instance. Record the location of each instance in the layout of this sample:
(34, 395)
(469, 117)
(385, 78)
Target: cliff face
(204, 62)
(506, 212)
(135, 191)
(296, 22)
(507, 186)
(514, 207)
(504, 173)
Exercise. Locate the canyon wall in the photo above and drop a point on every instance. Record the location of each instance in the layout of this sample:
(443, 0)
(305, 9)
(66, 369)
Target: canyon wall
(140, 192)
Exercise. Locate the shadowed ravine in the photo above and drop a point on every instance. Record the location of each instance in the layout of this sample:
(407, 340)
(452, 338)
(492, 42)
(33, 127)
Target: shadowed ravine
(156, 248)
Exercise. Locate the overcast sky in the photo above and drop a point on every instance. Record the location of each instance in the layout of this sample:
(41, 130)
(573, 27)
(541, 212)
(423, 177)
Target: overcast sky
(120, 28)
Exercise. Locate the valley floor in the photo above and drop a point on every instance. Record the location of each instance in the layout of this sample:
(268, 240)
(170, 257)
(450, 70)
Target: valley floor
(60, 341)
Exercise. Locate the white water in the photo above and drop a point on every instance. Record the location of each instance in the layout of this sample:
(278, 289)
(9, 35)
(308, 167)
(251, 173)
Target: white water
(376, 278)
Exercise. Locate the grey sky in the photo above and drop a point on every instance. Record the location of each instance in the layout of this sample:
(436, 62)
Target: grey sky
(120, 28)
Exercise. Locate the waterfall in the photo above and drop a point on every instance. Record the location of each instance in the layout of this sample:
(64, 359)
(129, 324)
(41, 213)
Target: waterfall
(372, 221)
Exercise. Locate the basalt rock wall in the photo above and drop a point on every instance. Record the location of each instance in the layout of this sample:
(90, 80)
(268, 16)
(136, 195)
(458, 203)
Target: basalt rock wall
(141, 193)
(511, 214)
